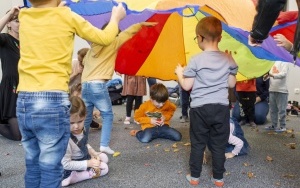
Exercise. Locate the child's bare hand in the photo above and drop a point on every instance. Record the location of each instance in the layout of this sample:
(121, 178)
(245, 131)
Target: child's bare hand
(229, 155)
(179, 69)
(14, 11)
(149, 24)
(281, 40)
(94, 163)
(118, 12)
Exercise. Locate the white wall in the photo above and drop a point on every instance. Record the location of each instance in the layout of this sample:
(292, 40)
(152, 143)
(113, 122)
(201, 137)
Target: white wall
(293, 79)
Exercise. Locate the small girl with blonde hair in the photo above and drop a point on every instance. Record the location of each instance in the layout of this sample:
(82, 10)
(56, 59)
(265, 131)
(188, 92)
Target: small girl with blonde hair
(81, 161)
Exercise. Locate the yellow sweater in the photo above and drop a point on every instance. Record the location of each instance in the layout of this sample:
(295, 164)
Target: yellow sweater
(46, 46)
(99, 62)
(167, 110)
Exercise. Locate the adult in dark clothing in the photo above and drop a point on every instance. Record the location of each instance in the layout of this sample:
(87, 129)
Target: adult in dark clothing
(261, 103)
(267, 13)
(10, 55)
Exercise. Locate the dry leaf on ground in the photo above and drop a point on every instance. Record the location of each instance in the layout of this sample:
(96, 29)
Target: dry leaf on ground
(269, 158)
(116, 154)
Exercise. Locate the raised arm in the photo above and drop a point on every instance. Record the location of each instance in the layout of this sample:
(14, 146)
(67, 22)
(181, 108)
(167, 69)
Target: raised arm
(267, 13)
(8, 16)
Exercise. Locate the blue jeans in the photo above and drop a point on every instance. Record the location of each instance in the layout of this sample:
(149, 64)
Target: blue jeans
(95, 94)
(164, 131)
(44, 122)
(260, 115)
(278, 104)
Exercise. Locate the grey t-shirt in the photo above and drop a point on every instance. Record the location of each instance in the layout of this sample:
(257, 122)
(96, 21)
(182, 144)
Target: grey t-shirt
(211, 70)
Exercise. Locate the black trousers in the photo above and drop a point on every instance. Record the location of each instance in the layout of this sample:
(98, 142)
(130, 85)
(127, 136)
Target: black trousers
(247, 100)
(209, 126)
(129, 102)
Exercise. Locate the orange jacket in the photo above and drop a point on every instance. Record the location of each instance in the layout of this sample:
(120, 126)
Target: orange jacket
(167, 110)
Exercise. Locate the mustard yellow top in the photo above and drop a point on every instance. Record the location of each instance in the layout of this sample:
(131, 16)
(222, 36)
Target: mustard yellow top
(46, 46)
(99, 62)
(167, 110)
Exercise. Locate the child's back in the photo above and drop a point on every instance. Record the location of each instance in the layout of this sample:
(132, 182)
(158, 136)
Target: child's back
(47, 38)
(212, 70)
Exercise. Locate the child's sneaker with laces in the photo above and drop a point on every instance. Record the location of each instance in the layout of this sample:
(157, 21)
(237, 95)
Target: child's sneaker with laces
(271, 128)
(192, 180)
(127, 121)
(218, 182)
(280, 130)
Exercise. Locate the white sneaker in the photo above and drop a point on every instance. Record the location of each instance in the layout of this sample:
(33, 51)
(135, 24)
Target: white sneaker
(106, 149)
(127, 121)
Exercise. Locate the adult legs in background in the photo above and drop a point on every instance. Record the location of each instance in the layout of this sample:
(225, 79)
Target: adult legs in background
(11, 130)
(261, 112)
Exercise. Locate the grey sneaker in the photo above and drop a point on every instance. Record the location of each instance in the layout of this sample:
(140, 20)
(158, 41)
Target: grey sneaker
(271, 128)
(280, 130)
(184, 119)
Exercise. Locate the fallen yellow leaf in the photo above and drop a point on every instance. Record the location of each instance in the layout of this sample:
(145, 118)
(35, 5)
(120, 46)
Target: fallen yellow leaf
(116, 154)
(269, 158)
(167, 150)
(157, 145)
(250, 175)
(175, 150)
(174, 145)
(187, 144)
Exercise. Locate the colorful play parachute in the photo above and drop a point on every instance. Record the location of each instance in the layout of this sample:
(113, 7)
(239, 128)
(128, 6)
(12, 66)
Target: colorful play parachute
(156, 51)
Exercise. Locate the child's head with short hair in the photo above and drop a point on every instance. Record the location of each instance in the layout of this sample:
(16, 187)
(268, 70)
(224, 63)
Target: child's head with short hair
(159, 94)
(209, 28)
(77, 115)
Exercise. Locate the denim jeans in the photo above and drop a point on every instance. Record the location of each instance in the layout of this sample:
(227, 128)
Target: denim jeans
(164, 131)
(261, 112)
(278, 104)
(95, 94)
(44, 122)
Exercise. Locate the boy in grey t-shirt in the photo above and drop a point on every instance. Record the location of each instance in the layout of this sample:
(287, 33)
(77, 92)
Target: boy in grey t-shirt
(208, 75)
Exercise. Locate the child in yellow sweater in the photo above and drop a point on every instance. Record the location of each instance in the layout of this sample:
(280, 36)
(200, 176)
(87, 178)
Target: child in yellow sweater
(154, 116)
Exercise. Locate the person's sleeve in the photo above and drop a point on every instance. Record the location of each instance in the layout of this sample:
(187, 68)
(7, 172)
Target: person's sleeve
(87, 31)
(169, 111)
(127, 34)
(267, 13)
(190, 70)
(283, 71)
(140, 114)
(69, 164)
(264, 88)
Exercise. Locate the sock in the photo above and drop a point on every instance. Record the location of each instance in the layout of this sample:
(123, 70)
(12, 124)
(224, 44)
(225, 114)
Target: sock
(106, 149)
(103, 157)
(104, 169)
(76, 177)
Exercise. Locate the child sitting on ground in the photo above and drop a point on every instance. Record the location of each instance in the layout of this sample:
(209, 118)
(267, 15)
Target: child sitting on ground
(237, 144)
(154, 117)
(81, 161)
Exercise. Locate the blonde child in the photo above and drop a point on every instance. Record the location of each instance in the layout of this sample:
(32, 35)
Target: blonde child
(47, 33)
(99, 65)
(154, 117)
(208, 76)
(81, 161)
